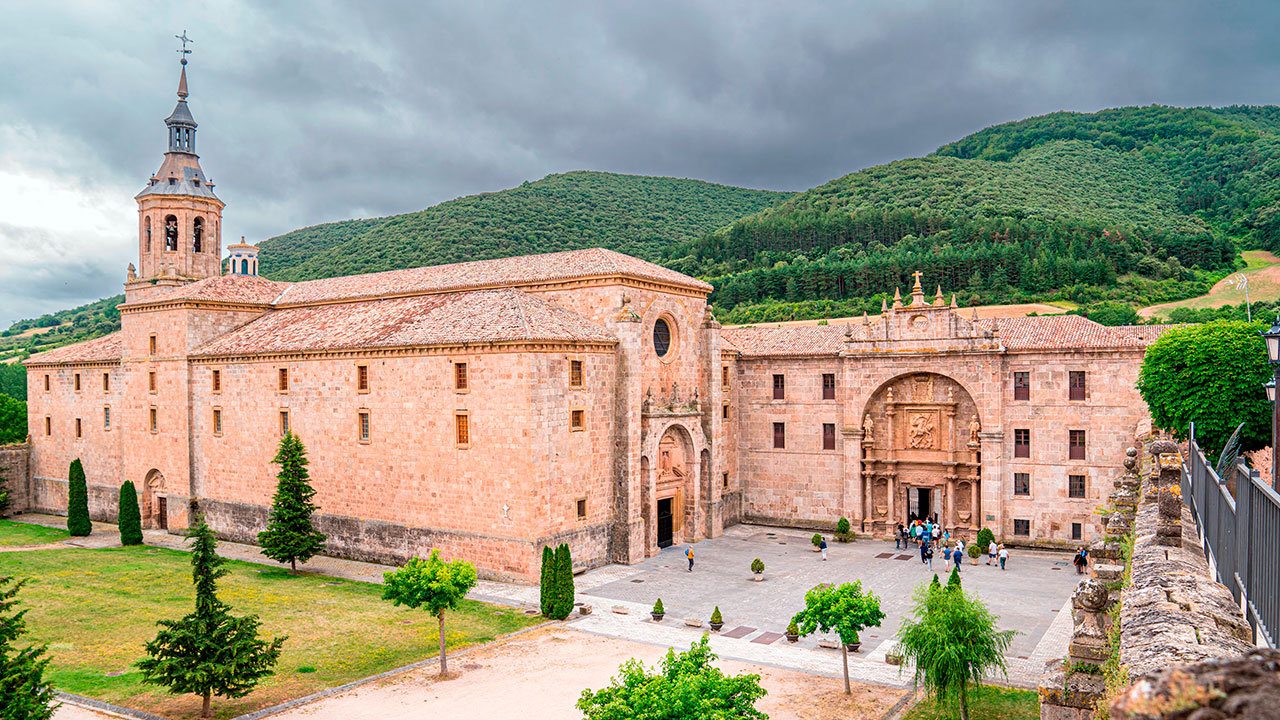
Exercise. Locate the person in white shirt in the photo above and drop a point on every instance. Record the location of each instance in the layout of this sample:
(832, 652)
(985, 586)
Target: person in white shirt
(991, 552)
(1004, 555)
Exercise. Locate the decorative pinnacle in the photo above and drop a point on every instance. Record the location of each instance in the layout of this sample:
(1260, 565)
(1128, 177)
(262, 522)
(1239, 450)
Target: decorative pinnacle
(183, 53)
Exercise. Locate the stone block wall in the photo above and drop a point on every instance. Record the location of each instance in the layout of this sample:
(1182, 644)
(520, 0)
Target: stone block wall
(15, 468)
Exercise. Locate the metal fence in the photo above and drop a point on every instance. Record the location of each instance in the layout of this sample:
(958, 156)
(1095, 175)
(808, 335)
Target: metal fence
(1239, 522)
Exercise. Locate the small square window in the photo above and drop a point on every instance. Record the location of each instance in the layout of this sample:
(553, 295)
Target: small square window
(828, 436)
(362, 378)
(1022, 528)
(151, 345)
(1022, 386)
(151, 381)
(828, 386)
(1077, 531)
(106, 382)
(1075, 486)
(1076, 385)
(106, 418)
(217, 422)
(577, 419)
(282, 382)
(48, 425)
(46, 383)
(575, 373)
(284, 423)
(78, 433)
(216, 381)
(724, 377)
(779, 387)
(77, 382)
(364, 426)
(582, 508)
(155, 420)
(724, 480)
(1075, 448)
(462, 429)
(780, 435)
(1022, 484)
(461, 381)
(1021, 443)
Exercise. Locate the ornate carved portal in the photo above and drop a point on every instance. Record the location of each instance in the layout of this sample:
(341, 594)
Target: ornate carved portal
(921, 460)
(673, 498)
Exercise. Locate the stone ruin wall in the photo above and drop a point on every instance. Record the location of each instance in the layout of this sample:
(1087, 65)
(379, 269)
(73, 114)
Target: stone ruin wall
(15, 468)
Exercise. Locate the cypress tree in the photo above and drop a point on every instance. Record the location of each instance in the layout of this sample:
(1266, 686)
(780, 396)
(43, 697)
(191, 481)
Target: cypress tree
(562, 584)
(24, 692)
(290, 536)
(547, 580)
(127, 515)
(78, 523)
(934, 584)
(954, 580)
(210, 651)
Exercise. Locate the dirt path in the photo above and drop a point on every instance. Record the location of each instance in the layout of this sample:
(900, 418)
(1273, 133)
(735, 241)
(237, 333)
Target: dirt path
(1262, 272)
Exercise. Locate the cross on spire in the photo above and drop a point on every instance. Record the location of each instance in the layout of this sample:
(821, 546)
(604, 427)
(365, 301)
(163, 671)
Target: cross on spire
(184, 52)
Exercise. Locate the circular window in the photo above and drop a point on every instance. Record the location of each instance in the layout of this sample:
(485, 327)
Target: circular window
(661, 337)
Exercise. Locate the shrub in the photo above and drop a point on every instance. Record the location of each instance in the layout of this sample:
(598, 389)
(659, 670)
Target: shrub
(792, 628)
(985, 538)
(842, 526)
(715, 615)
(128, 518)
(757, 566)
(973, 551)
(78, 523)
(817, 539)
(658, 609)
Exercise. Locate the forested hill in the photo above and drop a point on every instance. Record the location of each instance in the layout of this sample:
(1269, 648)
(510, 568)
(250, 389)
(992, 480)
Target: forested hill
(637, 215)
(1133, 204)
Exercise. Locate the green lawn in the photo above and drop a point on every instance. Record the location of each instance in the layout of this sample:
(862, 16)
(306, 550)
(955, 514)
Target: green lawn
(96, 609)
(16, 533)
(988, 703)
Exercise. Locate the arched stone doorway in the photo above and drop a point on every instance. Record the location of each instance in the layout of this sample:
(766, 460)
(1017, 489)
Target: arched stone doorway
(674, 502)
(155, 511)
(921, 453)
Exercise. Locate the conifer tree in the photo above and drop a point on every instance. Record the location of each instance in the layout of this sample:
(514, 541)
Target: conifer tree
(561, 600)
(78, 523)
(547, 580)
(24, 693)
(954, 580)
(210, 651)
(290, 536)
(128, 516)
(935, 584)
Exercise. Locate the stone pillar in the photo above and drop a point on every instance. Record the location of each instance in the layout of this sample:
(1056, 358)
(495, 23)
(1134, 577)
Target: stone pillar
(1167, 474)
(713, 429)
(992, 491)
(627, 542)
(852, 501)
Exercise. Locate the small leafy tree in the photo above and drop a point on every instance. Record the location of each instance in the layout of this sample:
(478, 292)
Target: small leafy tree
(128, 517)
(757, 566)
(210, 651)
(686, 687)
(290, 537)
(24, 692)
(1211, 374)
(844, 609)
(952, 640)
(78, 522)
(546, 580)
(13, 420)
(433, 585)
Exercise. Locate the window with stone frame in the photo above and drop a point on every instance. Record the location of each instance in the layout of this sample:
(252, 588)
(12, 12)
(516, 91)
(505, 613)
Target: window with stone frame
(365, 433)
(155, 419)
(724, 377)
(78, 428)
(461, 381)
(151, 381)
(48, 425)
(828, 436)
(151, 345)
(77, 382)
(46, 383)
(779, 435)
(462, 429)
(828, 386)
(1022, 528)
(779, 387)
(1022, 385)
(724, 480)
(106, 417)
(362, 378)
(577, 419)
(1022, 484)
(1022, 443)
(1075, 486)
(217, 422)
(575, 373)
(282, 380)
(1076, 385)
(1075, 446)
(1077, 531)
(106, 382)
(215, 381)
(582, 508)
(284, 423)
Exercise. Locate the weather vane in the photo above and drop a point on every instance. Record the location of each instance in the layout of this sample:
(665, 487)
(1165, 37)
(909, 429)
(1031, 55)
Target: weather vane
(184, 51)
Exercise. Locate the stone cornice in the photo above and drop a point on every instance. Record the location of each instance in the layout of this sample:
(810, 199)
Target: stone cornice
(76, 364)
(504, 347)
(191, 304)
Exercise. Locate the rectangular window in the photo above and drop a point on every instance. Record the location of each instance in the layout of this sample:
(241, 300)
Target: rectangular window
(575, 373)
(1022, 386)
(151, 345)
(364, 426)
(724, 377)
(46, 383)
(1075, 450)
(582, 508)
(155, 420)
(460, 379)
(282, 383)
(1022, 527)
(779, 387)
(106, 418)
(828, 436)
(151, 381)
(724, 479)
(724, 411)
(77, 382)
(284, 422)
(78, 432)
(462, 429)
(362, 378)
(1077, 531)
(577, 419)
(1076, 385)
(779, 435)
(217, 422)
(48, 425)
(1022, 483)
(216, 381)
(1075, 486)
(106, 382)
(1022, 443)
(828, 386)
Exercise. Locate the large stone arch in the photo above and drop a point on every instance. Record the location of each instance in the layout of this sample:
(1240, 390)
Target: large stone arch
(920, 450)
(672, 457)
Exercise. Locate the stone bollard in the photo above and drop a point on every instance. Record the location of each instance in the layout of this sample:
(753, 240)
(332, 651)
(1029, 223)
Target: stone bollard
(1089, 604)
(1168, 492)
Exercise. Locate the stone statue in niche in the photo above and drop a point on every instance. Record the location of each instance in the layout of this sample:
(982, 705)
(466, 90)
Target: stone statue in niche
(133, 272)
(675, 394)
(648, 400)
(868, 429)
(974, 427)
(921, 432)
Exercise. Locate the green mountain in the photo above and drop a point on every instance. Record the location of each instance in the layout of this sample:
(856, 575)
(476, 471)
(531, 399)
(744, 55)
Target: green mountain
(1136, 205)
(633, 214)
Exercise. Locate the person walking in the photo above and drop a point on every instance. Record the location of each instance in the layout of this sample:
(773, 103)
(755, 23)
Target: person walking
(689, 554)
(1004, 556)
(991, 552)
(958, 553)
(1079, 561)
(823, 546)
(946, 555)
(899, 536)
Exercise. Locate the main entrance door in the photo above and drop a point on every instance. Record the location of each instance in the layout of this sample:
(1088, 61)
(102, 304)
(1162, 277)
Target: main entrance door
(664, 523)
(919, 503)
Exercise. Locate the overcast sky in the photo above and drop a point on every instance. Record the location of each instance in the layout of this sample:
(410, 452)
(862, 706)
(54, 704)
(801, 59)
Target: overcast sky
(312, 112)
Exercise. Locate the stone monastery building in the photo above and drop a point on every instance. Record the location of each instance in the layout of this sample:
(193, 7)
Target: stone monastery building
(489, 408)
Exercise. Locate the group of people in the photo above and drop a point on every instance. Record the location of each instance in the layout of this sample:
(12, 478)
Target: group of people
(927, 534)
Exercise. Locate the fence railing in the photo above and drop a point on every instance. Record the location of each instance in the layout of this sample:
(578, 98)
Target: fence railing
(1239, 522)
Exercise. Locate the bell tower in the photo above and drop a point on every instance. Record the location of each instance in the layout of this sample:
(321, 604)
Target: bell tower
(179, 217)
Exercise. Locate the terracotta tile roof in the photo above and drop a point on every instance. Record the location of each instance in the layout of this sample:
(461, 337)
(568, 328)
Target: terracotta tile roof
(226, 288)
(786, 341)
(1068, 332)
(107, 348)
(442, 319)
(509, 272)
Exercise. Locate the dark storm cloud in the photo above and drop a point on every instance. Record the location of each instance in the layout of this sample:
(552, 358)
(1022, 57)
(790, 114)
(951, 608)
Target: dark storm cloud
(314, 112)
